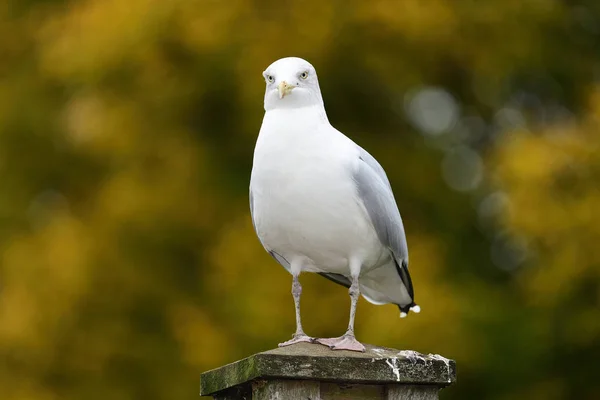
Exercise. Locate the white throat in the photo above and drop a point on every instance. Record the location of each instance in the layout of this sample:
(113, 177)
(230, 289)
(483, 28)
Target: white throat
(297, 115)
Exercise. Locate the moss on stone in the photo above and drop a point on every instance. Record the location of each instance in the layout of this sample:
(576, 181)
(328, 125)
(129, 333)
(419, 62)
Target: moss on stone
(377, 365)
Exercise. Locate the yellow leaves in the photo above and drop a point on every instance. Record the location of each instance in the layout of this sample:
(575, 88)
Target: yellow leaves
(207, 25)
(170, 164)
(555, 279)
(594, 111)
(551, 180)
(421, 21)
(548, 389)
(103, 124)
(157, 273)
(198, 334)
(18, 312)
(20, 388)
(535, 167)
(248, 282)
(47, 269)
(529, 160)
(95, 36)
(583, 328)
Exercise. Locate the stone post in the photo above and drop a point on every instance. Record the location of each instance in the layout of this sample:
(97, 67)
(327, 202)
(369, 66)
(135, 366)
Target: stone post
(310, 371)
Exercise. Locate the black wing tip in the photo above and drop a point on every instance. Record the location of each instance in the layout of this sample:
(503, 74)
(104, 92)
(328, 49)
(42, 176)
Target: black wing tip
(405, 277)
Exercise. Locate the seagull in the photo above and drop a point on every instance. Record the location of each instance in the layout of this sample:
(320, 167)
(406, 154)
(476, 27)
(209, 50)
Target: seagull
(320, 203)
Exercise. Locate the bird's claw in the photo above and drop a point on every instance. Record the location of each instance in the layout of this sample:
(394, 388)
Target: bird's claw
(297, 338)
(346, 342)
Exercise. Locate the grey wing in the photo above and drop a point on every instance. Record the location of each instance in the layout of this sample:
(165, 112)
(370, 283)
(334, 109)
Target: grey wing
(375, 166)
(337, 278)
(376, 193)
(278, 257)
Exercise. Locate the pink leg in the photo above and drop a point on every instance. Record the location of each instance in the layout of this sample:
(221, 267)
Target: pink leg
(348, 341)
(299, 336)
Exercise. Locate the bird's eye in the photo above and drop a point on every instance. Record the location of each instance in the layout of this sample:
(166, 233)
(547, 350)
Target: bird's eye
(304, 75)
(270, 78)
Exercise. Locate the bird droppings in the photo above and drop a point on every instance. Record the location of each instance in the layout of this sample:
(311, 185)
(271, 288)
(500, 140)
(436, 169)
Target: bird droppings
(411, 355)
(393, 363)
(445, 361)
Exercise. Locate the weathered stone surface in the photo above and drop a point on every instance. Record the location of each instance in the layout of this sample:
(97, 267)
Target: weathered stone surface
(288, 389)
(315, 362)
(409, 392)
(344, 391)
(240, 392)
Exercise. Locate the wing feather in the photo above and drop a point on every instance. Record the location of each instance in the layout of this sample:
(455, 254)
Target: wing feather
(375, 191)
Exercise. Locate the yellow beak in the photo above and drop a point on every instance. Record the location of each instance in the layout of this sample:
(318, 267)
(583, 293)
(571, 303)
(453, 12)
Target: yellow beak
(284, 89)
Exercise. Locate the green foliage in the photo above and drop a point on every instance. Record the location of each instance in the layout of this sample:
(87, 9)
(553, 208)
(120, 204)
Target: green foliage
(128, 263)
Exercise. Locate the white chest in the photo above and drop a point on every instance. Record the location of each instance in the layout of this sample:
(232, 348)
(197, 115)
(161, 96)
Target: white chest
(305, 200)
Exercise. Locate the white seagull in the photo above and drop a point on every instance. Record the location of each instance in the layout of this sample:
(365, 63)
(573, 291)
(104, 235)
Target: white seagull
(320, 203)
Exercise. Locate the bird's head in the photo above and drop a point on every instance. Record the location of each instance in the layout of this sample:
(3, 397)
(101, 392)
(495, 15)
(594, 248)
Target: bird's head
(291, 83)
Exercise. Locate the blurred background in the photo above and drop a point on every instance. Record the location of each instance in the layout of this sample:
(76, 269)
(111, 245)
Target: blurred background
(128, 262)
